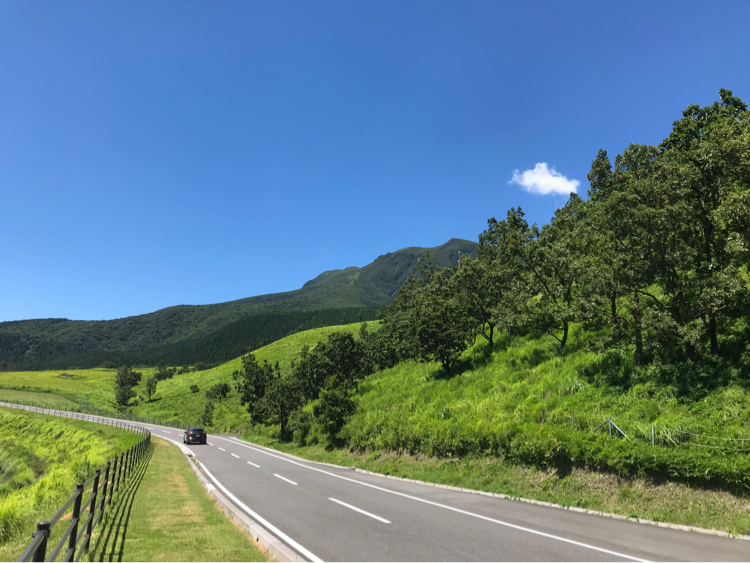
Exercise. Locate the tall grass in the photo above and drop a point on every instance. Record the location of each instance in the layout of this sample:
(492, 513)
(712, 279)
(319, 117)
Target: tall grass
(41, 460)
(530, 403)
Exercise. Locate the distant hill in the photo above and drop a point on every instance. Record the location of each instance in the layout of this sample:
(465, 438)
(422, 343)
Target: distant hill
(186, 334)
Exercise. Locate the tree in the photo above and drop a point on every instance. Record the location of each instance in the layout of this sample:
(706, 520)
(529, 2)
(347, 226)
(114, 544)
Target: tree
(151, 387)
(218, 391)
(194, 388)
(494, 281)
(252, 381)
(123, 395)
(707, 162)
(282, 397)
(430, 318)
(335, 407)
(207, 418)
(125, 380)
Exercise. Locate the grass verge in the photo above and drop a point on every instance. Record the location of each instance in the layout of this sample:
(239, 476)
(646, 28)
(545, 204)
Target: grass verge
(41, 459)
(164, 514)
(636, 497)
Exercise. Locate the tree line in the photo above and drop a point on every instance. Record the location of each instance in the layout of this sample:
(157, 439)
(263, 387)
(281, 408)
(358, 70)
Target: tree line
(654, 262)
(653, 265)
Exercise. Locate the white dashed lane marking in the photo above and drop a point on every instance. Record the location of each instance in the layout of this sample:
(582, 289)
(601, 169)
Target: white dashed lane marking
(284, 479)
(253, 464)
(222, 449)
(234, 455)
(354, 508)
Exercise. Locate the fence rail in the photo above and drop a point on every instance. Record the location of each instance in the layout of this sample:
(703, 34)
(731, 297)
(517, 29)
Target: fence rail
(94, 415)
(99, 487)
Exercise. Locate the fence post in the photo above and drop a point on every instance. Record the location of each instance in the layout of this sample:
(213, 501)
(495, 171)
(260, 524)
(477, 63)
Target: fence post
(544, 414)
(112, 488)
(104, 489)
(609, 419)
(92, 510)
(41, 528)
(74, 519)
(488, 414)
(652, 434)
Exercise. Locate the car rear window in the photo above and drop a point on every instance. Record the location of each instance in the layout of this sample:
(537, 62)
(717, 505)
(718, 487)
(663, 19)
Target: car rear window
(196, 430)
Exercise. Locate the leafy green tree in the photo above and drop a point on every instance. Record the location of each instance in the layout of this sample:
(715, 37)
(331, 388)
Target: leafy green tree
(123, 395)
(334, 408)
(194, 388)
(151, 387)
(252, 381)
(431, 316)
(218, 391)
(207, 418)
(282, 397)
(125, 380)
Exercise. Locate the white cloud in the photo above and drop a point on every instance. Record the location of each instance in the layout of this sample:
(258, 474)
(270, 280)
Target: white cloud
(543, 181)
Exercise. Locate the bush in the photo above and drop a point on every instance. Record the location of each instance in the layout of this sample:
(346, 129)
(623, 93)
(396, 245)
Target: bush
(300, 423)
(194, 388)
(218, 391)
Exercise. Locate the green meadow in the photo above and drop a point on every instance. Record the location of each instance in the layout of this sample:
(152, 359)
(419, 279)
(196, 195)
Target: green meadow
(41, 460)
(526, 408)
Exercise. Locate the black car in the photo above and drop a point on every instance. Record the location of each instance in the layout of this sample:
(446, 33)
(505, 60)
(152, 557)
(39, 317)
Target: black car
(194, 435)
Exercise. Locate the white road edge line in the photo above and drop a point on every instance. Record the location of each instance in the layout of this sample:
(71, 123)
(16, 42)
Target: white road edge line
(439, 505)
(253, 464)
(383, 520)
(284, 479)
(222, 449)
(306, 552)
(235, 455)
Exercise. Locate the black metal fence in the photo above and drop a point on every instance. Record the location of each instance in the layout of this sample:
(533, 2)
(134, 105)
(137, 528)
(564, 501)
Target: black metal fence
(99, 491)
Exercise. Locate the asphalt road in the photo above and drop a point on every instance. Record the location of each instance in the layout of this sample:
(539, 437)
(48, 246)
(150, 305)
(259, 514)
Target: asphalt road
(332, 513)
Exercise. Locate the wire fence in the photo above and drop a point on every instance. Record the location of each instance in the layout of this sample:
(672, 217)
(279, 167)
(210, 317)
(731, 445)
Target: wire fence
(82, 412)
(591, 423)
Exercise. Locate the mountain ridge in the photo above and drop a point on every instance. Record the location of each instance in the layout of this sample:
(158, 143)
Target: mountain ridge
(172, 332)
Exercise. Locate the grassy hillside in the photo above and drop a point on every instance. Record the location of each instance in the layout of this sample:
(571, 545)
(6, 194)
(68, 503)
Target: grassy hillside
(175, 401)
(187, 334)
(483, 428)
(41, 460)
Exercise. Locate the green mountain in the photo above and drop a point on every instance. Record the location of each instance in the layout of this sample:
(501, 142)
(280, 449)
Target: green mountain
(186, 334)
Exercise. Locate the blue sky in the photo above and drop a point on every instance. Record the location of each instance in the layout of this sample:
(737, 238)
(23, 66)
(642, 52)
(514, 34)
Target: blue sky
(156, 154)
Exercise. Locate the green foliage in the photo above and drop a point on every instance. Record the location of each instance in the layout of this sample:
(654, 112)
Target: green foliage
(151, 387)
(214, 334)
(333, 410)
(41, 460)
(218, 392)
(207, 418)
(125, 380)
(194, 388)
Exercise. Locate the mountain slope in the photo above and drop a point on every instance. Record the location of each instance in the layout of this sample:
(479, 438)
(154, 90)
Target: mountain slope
(186, 334)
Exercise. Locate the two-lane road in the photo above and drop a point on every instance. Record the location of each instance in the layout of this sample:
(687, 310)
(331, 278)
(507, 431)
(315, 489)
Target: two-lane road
(332, 513)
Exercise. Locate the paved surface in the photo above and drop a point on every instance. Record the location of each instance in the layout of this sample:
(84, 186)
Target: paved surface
(332, 513)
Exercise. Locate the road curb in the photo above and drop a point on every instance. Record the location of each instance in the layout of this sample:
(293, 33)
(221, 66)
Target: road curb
(278, 549)
(681, 527)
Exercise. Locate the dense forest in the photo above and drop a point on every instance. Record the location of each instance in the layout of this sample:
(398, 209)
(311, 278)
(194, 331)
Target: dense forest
(219, 332)
(230, 341)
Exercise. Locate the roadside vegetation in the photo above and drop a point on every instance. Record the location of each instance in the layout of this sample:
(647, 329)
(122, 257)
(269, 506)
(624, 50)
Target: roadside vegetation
(164, 514)
(41, 460)
(614, 339)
